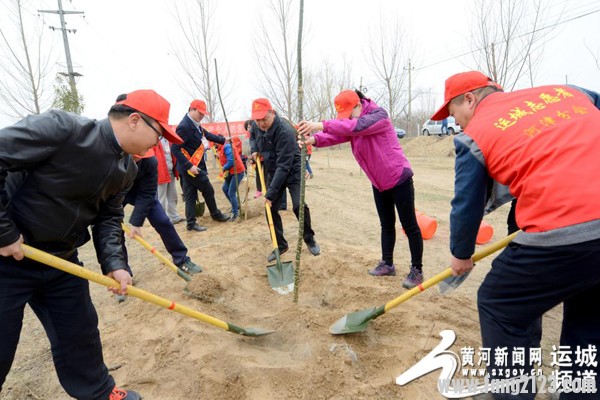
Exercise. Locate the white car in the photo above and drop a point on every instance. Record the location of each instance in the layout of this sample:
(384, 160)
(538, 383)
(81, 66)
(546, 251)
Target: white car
(431, 127)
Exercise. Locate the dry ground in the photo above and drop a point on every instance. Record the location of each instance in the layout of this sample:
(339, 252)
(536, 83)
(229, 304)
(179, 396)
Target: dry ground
(165, 355)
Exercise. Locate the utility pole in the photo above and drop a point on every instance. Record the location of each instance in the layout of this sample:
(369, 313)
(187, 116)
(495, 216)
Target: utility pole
(410, 68)
(63, 27)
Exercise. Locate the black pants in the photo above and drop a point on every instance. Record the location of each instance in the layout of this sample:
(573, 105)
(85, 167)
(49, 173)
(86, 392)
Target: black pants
(527, 281)
(63, 305)
(511, 218)
(190, 187)
(257, 175)
(400, 198)
(293, 185)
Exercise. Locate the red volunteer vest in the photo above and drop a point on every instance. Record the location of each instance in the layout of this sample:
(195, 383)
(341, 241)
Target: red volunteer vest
(544, 143)
(237, 159)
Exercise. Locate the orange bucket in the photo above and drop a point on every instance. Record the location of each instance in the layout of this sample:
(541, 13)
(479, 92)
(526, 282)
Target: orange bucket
(486, 231)
(427, 225)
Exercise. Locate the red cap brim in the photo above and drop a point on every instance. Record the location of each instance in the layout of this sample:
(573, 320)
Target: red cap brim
(170, 134)
(259, 114)
(442, 112)
(344, 114)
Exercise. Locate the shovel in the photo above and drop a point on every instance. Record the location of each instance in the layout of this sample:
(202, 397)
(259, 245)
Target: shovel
(186, 277)
(359, 320)
(280, 275)
(452, 282)
(74, 269)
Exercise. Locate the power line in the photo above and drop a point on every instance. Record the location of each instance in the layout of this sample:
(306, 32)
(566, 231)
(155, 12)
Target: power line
(524, 34)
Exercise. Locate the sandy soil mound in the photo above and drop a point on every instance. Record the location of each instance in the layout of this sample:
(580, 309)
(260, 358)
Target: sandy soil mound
(430, 146)
(166, 355)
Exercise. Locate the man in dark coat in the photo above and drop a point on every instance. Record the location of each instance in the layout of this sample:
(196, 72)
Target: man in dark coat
(275, 140)
(192, 167)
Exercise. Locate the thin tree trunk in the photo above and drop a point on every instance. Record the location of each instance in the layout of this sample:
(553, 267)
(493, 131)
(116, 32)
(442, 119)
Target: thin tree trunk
(302, 158)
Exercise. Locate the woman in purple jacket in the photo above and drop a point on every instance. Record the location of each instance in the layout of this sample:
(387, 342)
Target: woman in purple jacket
(376, 148)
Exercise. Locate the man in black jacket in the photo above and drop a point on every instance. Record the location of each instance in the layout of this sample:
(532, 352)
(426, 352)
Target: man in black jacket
(275, 140)
(59, 174)
(146, 205)
(192, 167)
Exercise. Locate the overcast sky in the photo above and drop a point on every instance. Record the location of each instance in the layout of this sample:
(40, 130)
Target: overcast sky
(125, 45)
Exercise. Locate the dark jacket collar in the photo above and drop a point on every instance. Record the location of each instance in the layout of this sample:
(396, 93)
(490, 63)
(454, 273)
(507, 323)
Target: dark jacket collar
(108, 134)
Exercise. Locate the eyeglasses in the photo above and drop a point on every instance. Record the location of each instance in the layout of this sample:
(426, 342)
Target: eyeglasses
(160, 136)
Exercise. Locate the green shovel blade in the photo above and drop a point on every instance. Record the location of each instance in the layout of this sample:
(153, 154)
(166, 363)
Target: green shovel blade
(356, 321)
(254, 332)
(281, 275)
(183, 275)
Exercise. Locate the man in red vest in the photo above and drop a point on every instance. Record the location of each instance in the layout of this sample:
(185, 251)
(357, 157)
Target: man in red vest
(544, 144)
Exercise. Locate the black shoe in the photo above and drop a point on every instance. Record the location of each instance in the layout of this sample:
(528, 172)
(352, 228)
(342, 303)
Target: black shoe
(221, 217)
(272, 257)
(197, 228)
(313, 247)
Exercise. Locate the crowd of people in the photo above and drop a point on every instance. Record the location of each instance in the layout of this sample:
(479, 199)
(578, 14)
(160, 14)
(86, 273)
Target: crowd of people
(525, 140)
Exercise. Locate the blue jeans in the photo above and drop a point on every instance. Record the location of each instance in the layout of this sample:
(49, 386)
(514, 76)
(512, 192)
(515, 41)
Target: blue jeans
(230, 190)
(308, 168)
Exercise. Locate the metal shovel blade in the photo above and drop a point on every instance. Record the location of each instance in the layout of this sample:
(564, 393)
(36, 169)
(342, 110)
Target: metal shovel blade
(254, 332)
(183, 275)
(281, 277)
(449, 284)
(356, 321)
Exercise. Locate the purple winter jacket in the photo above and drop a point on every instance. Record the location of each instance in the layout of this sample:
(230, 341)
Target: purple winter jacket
(374, 144)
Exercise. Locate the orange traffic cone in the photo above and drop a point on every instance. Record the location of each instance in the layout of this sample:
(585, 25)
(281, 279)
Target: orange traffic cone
(427, 225)
(486, 231)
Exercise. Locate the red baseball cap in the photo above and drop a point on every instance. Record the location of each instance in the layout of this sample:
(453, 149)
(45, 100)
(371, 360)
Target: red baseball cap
(260, 108)
(460, 84)
(345, 103)
(156, 107)
(200, 106)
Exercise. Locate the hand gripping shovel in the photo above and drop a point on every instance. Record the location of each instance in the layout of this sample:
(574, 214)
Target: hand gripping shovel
(81, 272)
(359, 320)
(448, 285)
(183, 275)
(280, 275)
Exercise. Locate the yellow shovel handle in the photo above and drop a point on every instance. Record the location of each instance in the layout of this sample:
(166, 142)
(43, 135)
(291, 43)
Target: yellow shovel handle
(267, 208)
(494, 247)
(152, 249)
(74, 269)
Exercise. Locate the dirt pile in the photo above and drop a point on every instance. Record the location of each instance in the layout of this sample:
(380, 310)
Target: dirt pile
(428, 146)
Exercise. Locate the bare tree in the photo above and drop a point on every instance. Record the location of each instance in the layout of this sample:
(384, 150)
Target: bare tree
(196, 52)
(277, 63)
(25, 66)
(388, 57)
(595, 55)
(508, 38)
(321, 86)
